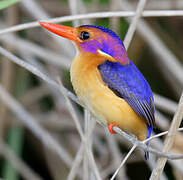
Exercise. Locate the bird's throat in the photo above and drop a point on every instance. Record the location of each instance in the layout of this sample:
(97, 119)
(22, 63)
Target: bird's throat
(85, 74)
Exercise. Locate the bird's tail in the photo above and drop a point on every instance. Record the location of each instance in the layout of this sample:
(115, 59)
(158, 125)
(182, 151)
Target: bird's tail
(150, 129)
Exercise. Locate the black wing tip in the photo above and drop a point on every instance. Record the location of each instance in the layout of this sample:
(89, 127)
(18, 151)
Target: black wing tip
(146, 155)
(149, 114)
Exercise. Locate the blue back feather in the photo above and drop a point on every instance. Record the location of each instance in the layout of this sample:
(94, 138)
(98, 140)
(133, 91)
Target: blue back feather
(130, 85)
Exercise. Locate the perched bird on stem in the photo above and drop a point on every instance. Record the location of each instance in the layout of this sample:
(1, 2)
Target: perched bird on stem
(107, 82)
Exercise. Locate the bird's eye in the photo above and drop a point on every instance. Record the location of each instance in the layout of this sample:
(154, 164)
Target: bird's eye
(84, 35)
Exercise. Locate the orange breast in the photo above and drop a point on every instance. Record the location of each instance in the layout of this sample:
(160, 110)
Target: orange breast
(100, 100)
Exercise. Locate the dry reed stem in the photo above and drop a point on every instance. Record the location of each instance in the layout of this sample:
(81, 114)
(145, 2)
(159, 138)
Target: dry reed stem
(116, 155)
(169, 140)
(32, 124)
(44, 54)
(164, 13)
(133, 24)
(123, 162)
(142, 145)
(72, 111)
(84, 139)
(86, 172)
(75, 166)
(38, 13)
(36, 72)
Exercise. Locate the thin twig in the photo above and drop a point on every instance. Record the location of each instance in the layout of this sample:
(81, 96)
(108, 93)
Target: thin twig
(84, 140)
(133, 25)
(37, 72)
(87, 145)
(32, 124)
(169, 140)
(71, 110)
(93, 165)
(38, 12)
(116, 154)
(45, 54)
(164, 13)
(123, 162)
(76, 163)
(140, 144)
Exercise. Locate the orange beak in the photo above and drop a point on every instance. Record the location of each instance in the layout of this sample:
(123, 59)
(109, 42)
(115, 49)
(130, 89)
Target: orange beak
(64, 31)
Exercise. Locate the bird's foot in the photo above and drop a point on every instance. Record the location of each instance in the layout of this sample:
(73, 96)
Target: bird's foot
(110, 127)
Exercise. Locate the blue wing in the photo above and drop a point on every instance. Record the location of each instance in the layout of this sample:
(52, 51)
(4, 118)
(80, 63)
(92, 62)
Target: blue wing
(128, 83)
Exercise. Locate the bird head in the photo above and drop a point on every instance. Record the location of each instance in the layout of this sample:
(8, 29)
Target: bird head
(93, 39)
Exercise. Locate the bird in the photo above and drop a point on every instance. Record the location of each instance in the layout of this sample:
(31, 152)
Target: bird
(107, 82)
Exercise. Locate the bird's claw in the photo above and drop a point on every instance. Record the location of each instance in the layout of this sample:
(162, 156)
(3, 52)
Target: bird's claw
(110, 127)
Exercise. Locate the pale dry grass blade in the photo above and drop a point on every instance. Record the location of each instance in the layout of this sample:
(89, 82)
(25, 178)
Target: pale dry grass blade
(75, 166)
(33, 126)
(72, 111)
(157, 143)
(37, 72)
(93, 165)
(44, 54)
(116, 155)
(86, 172)
(89, 127)
(83, 138)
